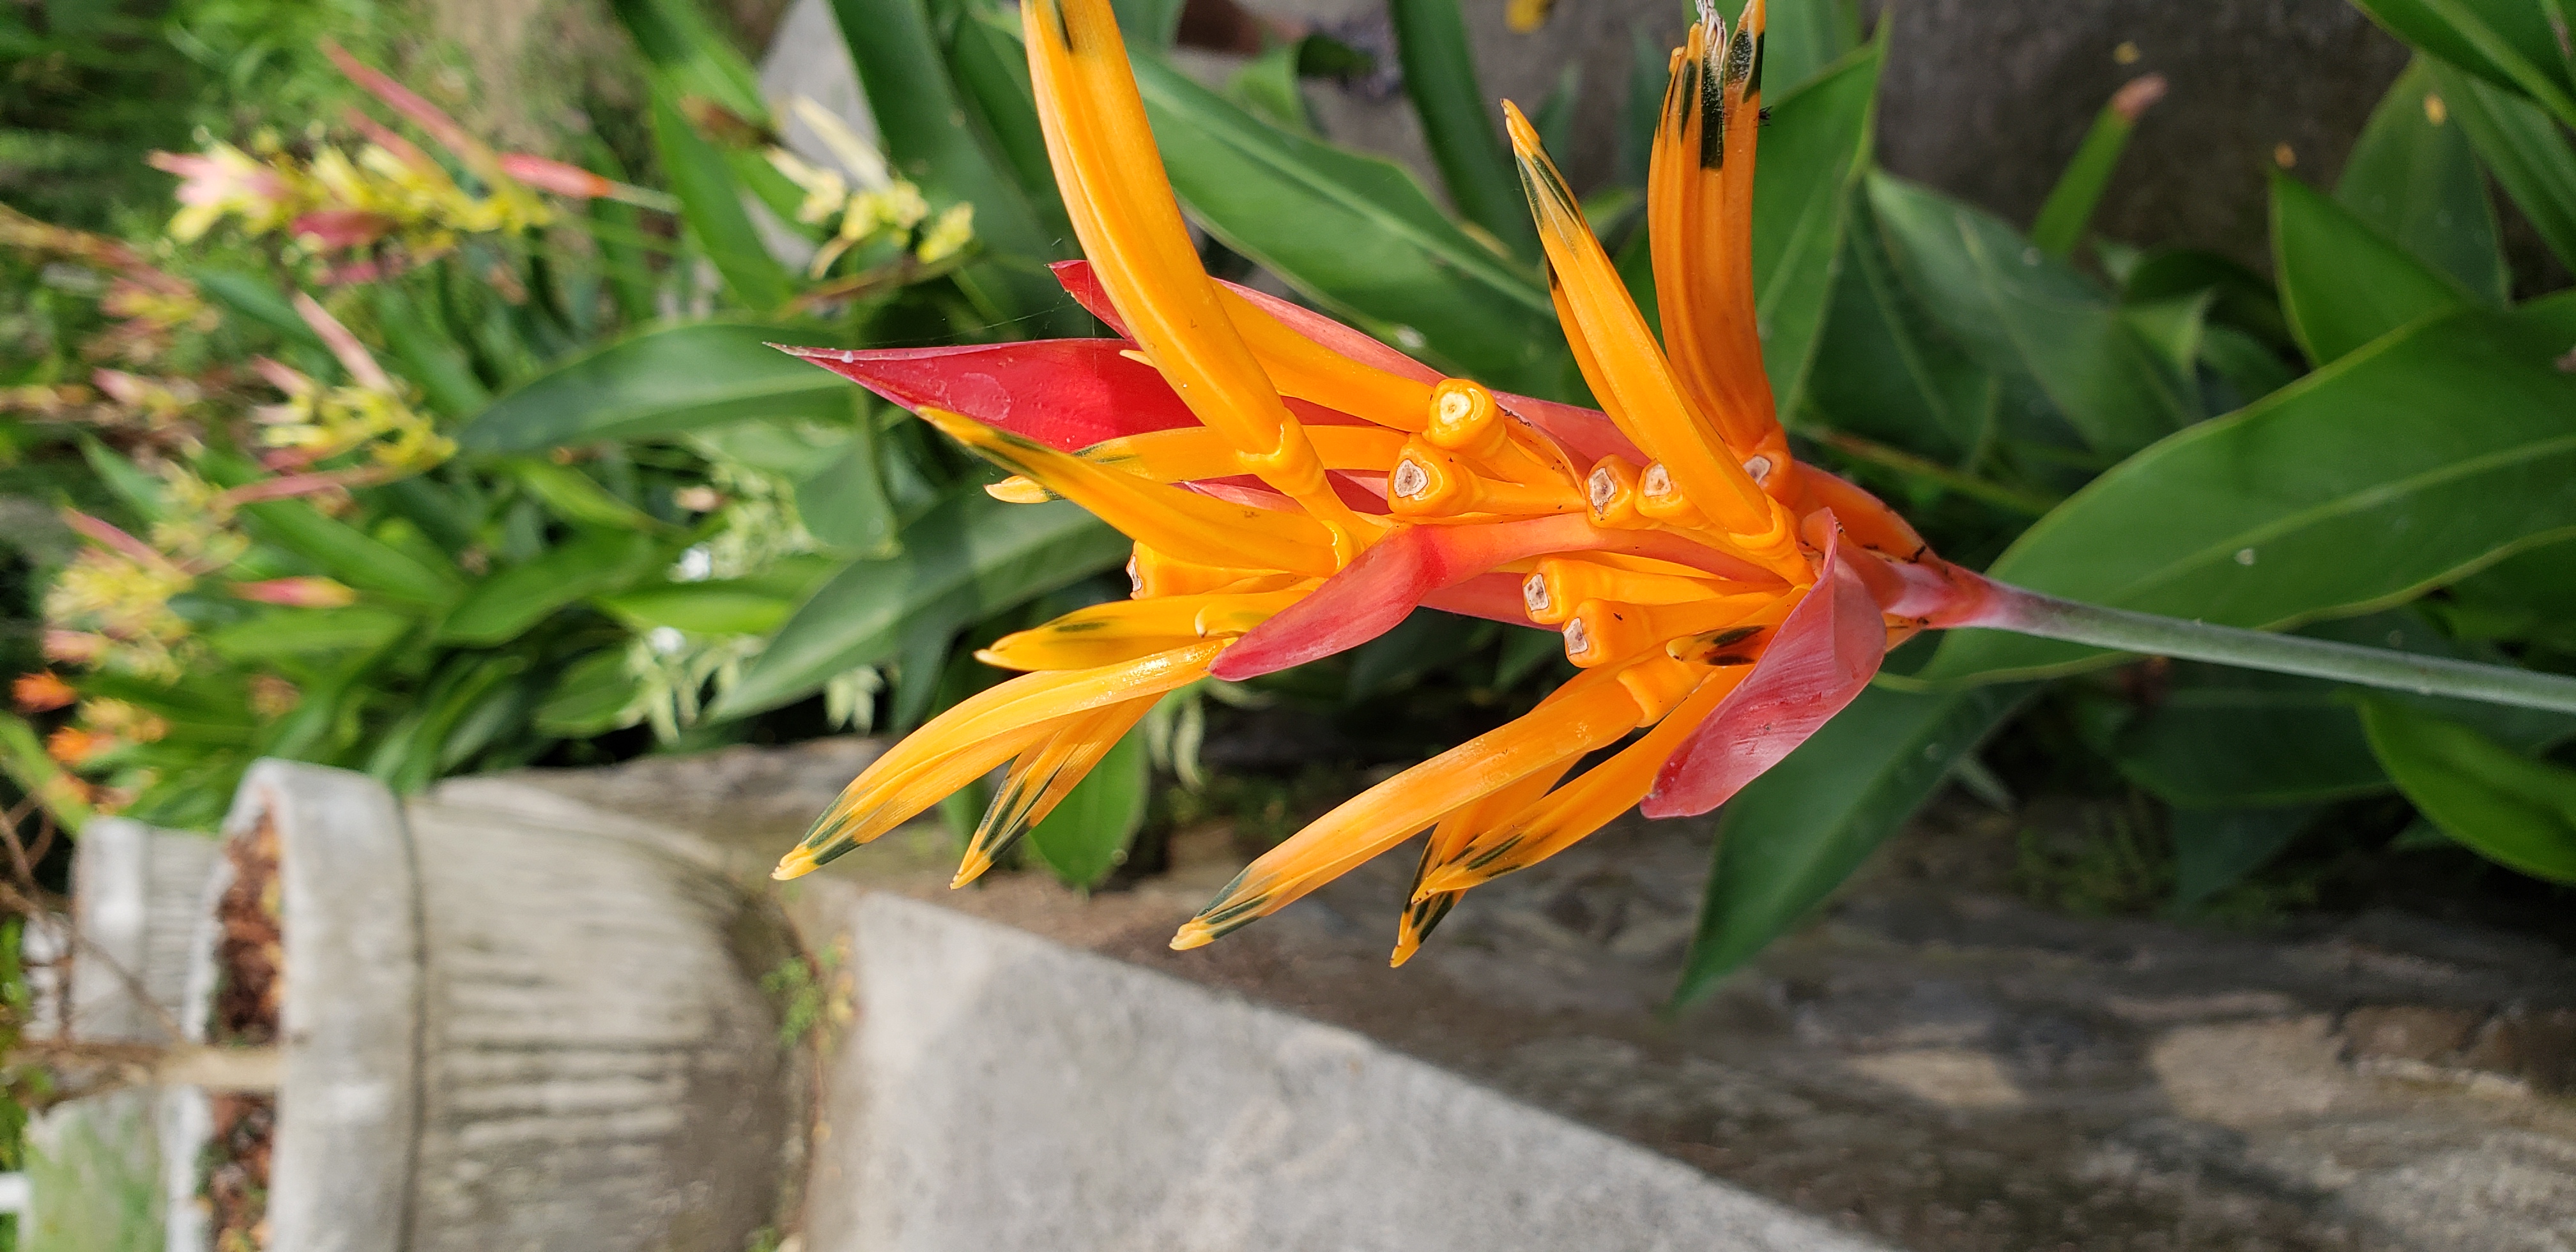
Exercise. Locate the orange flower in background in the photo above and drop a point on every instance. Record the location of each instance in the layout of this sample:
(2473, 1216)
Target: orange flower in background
(1295, 489)
(41, 692)
(70, 745)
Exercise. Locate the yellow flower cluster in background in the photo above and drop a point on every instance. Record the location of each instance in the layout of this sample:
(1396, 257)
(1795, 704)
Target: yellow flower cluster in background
(335, 200)
(880, 208)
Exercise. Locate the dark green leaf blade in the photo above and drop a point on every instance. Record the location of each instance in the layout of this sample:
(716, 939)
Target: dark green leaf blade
(2342, 284)
(509, 601)
(1814, 146)
(711, 203)
(1460, 122)
(2526, 151)
(2018, 311)
(2413, 176)
(2512, 810)
(667, 379)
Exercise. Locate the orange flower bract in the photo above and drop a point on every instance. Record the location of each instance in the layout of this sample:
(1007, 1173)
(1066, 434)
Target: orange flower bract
(1295, 488)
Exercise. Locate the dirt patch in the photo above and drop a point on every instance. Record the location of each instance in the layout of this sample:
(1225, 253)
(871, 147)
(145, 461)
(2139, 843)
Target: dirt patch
(250, 985)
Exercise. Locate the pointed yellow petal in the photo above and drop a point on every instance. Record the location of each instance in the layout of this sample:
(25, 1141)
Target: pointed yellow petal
(1632, 380)
(1041, 778)
(1593, 711)
(1122, 208)
(1105, 634)
(1183, 523)
(977, 734)
(1450, 837)
(1583, 806)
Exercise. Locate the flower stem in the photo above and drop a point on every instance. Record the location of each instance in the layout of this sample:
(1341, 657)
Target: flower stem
(2047, 617)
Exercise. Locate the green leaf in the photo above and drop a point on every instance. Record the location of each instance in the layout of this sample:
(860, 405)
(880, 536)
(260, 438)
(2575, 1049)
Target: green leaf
(2525, 150)
(2342, 284)
(1086, 836)
(845, 504)
(970, 555)
(428, 355)
(2018, 311)
(2507, 42)
(271, 633)
(258, 300)
(596, 695)
(1460, 122)
(2070, 204)
(1357, 234)
(352, 555)
(992, 74)
(755, 604)
(2510, 809)
(686, 50)
(508, 602)
(1884, 369)
(711, 204)
(137, 490)
(1814, 146)
(408, 757)
(918, 111)
(2413, 176)
(575, 497)
(2401, 467)
(673, 378)
(1554, 117)
(1152, 23)
(1787, 840)
(1802, 39)
(1267, 88)
(2215, 851)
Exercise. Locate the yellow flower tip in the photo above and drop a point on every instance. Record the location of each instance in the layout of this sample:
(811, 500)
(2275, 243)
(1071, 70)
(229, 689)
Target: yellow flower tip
(795, 864)
(1447, 878)
(1193, 934)
(977, 861)
(1405, 946)
(1524, 136)
(1019, 489)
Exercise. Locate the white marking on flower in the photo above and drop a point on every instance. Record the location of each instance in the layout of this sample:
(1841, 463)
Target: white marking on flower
(1409, 480)
(1534, 594)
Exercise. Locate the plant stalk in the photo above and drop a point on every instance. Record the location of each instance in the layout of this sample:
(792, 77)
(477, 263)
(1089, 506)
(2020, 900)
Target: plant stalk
(2047, 617)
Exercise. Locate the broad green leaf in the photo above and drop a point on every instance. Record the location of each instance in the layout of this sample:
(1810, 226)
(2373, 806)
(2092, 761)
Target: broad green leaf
(258, 300)
(1460, 123)
(1152, 23)
(753, 605)
(1884, 369)
(1088, 833)
(2342, 284)
(992, 75)
(352, 555)
(919, 114)
(845, 504)
(2172, 327)
(1813, 149)
(679, 41)
(674, 378)
(2070, 204)
(2510, 809)
(1267, 88)
(596, 695)
(135, 489)
(1356, 233)
(1786, 841)
(711, 204)
(2018, 311)
(2239, 297)
(2413, 176)
(2222, 738)
(2510, 43)
(2526, 151)
(278, 632)
(2400, 467)
(2527, 597)
(508, 602)
(2215, 851)
(970, 555)
(576, 497)
(428, 355)
(407, 758)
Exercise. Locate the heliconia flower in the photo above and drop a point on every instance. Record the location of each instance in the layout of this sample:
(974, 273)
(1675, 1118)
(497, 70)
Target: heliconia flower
(1295, 488)
(305, 592)
(225, 181)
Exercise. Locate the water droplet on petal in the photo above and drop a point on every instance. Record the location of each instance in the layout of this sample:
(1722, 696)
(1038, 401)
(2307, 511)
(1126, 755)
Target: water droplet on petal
(2245, 556)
